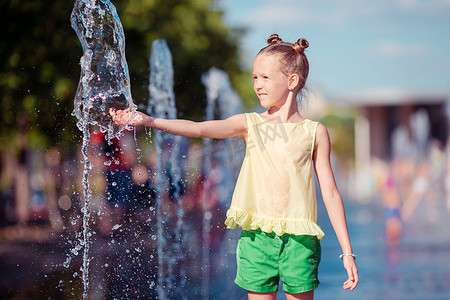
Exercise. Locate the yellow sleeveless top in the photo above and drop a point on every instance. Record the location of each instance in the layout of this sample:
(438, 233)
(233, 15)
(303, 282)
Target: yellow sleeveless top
(275, 188)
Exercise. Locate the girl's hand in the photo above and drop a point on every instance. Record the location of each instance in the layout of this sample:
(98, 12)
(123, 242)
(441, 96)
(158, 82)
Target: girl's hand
(127, 117)
(352, 271)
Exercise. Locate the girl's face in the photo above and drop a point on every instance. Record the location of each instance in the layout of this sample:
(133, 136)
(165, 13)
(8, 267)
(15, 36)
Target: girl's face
(270, 84)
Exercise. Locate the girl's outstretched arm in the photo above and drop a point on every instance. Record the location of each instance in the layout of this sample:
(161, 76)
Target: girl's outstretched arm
(219, 129)
(333, 202)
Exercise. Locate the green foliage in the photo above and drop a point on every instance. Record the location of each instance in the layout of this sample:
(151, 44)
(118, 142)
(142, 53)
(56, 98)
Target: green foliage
(197, 38)
(38, 68)
(40, 53)
(341, 130)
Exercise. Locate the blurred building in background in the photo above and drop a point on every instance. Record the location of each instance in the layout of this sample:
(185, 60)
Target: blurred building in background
(381, 115)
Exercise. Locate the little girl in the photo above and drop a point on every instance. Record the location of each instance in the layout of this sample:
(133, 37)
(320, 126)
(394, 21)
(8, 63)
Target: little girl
(274, 200)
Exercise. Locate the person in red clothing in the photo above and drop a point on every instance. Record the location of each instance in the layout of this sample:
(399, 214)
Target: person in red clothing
(117, 163)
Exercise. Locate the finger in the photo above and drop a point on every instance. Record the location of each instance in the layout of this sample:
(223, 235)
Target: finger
(119, 117)
(347, 285)
(350, 284)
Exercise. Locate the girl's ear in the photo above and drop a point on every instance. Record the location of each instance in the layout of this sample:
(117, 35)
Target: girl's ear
(293, 81)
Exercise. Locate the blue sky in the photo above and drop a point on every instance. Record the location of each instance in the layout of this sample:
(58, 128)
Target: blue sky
(356, 47)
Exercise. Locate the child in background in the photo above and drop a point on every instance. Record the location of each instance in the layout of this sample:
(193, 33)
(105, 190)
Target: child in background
(274, 200)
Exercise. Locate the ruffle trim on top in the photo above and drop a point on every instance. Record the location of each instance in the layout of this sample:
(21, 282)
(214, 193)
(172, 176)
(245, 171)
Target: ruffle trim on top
(240, 218)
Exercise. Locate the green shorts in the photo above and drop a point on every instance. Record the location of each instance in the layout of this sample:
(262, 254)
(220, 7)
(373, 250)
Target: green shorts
(265, 258)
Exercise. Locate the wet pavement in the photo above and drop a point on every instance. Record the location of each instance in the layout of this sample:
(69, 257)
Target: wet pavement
(418, 268)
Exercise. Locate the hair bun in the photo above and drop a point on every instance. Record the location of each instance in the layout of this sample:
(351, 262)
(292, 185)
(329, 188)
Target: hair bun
(301, 45)
(274, 39)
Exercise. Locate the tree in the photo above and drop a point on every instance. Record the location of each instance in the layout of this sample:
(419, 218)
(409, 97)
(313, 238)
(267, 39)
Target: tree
(38, 70)
(198, 40)
(40, 53)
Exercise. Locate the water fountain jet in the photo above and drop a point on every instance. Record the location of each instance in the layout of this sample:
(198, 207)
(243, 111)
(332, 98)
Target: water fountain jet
(104, 84)
(161, 104)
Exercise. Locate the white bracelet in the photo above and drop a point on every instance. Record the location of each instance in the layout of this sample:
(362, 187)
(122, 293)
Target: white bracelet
(344, 254)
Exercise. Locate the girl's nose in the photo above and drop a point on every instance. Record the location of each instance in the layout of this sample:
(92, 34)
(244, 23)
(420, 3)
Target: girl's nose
(257, 84)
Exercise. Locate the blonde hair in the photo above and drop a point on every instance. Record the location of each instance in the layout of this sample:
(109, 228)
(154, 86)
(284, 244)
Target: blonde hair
(291, 56)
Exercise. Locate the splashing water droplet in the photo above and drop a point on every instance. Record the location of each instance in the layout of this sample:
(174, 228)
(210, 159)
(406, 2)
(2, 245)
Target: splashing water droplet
(117, 226)
(66, 264)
